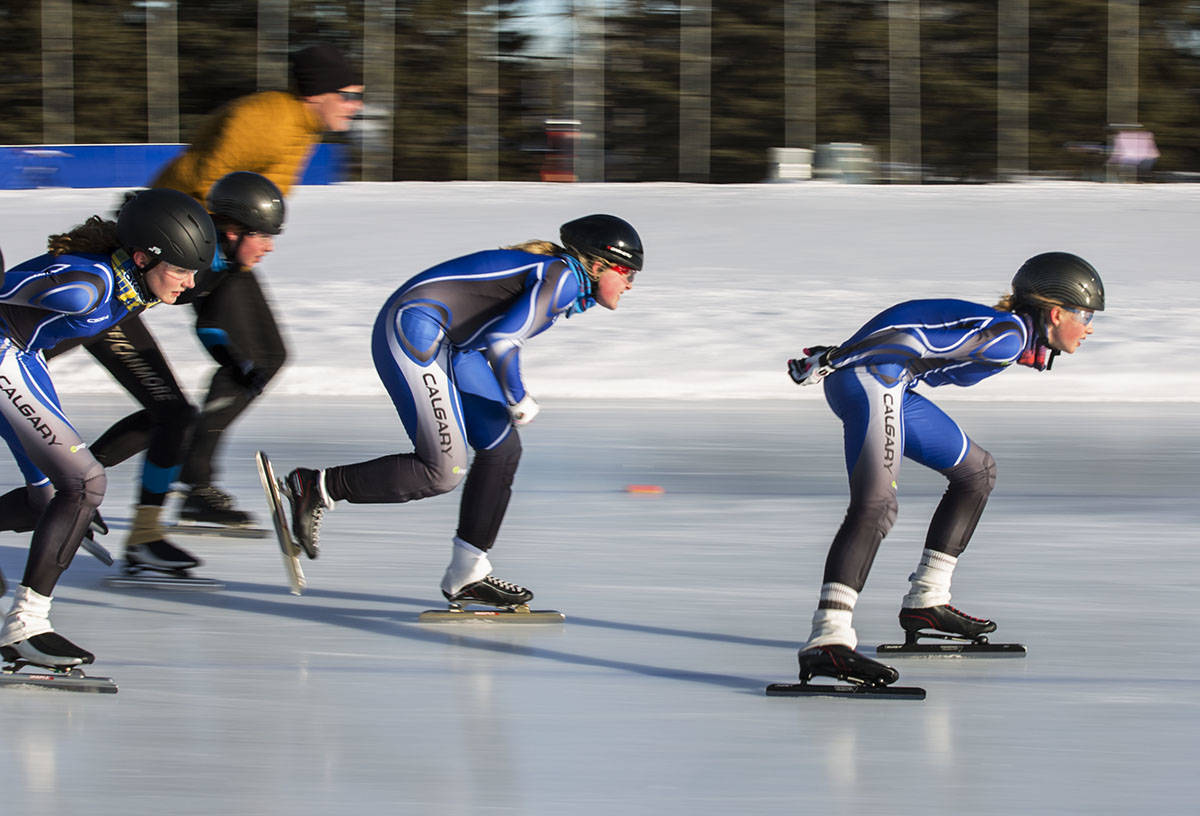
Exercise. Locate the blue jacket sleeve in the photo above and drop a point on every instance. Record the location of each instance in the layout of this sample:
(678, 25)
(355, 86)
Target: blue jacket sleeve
(60, 285)
(939, 342)
(547, 294)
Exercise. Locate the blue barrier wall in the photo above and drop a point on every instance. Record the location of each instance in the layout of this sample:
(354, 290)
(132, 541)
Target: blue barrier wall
(23, 167)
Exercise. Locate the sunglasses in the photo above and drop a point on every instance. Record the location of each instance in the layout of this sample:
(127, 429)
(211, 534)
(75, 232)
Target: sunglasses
(351, 96)
(627, 272)
(1083, 316)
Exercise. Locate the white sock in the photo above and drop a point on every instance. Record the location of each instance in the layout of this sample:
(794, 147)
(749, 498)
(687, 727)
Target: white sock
(832, 626)
(29, 616)
(468, 564)
(930, 584)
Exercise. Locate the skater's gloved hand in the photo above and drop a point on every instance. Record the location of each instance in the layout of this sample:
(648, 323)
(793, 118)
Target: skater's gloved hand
(524, 411)
(248, 376)
(813, 367)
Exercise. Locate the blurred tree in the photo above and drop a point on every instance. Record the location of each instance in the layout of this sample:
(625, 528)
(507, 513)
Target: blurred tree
(21, 67)
(1068, 42)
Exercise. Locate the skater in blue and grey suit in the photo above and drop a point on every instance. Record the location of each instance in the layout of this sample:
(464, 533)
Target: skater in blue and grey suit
(870, 383)
(91, 279)
(447, 345)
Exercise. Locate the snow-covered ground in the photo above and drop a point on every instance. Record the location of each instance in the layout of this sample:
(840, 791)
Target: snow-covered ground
(738, 278)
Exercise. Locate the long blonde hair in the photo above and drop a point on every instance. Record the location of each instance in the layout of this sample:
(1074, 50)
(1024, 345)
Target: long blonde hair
(95, 236)
(539, 247)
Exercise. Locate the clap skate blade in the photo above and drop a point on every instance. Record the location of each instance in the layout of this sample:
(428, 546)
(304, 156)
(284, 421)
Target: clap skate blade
(274, 489)
(65, 679)
(957, 645)
(460, 612)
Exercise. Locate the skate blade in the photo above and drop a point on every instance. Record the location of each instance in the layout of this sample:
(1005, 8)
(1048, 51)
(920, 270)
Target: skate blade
(289, 549)
(96, 550)
(67, 680)
(822, 690)
(953, 649)
(200, 528)
(182, 583)
(517, 614)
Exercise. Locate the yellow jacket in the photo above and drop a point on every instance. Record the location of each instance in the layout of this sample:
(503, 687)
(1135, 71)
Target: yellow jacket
(271, 133)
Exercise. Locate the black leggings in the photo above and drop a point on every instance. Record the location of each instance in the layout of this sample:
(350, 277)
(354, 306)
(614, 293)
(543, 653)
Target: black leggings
(238, 307)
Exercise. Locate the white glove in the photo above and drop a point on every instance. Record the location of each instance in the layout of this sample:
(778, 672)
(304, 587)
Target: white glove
(813, 367)
(524, 411)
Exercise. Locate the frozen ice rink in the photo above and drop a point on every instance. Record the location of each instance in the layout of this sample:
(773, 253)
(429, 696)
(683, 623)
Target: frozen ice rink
(680, 609)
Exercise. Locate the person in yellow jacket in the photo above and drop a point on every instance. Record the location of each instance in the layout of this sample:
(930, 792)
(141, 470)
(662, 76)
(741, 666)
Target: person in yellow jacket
(271, 133)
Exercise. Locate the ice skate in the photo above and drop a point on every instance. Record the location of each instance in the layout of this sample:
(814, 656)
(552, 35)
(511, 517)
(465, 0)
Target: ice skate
(49, 650)
(468, 582)
(506, 602)
(491, 591)
(153, 562)
(287, 547)
(862, 676)
(159, 564)
(206, 504)
(844, 663)
(306, 494)
(28, 640)
(55, 663)
(964, 634)
(158, 556)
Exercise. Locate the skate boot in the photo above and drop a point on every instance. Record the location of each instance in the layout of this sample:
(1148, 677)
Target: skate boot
(206, 504)
(49, 650)
(306, 493)
(29, 639)
(943, 622)
(491, 591)
(158, 556)
(843, 663)
(146, 548)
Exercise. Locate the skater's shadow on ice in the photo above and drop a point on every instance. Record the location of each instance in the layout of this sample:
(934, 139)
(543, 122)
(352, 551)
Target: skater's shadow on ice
(402, 624)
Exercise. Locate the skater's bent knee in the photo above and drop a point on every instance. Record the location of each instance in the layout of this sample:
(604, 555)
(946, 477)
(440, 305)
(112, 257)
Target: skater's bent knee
(976, 473)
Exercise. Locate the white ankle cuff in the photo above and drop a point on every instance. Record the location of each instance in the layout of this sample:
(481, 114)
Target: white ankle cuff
(29, 616)
(468, 564)
(830, 627)
(930, 584)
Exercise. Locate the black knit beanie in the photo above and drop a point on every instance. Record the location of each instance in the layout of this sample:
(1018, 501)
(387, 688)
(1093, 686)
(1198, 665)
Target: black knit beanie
(321, 69)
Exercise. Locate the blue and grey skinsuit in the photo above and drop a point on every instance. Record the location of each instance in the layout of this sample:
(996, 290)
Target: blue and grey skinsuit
(872, 390)
(46, 301)
(447, 346)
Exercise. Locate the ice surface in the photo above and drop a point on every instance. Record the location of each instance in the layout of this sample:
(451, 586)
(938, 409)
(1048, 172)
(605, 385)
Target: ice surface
(680, 607)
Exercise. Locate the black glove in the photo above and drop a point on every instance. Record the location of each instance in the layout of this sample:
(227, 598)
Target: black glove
(248, 376)
(813, 366)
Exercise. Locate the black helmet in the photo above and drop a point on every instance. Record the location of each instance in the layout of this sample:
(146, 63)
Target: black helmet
(1059, 277)
(170, 226)
(603, 236)
(249, 199)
